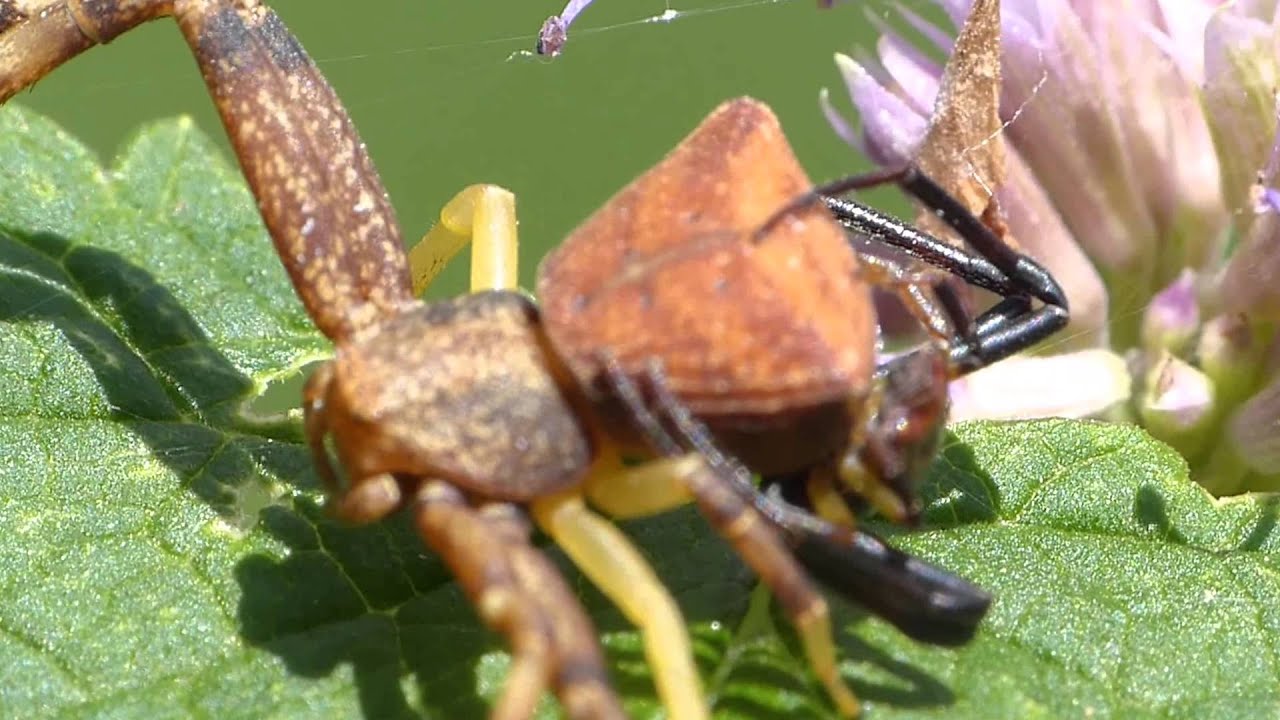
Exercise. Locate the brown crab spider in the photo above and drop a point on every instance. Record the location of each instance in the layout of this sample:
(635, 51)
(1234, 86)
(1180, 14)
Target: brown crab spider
(458, 410)
(718, 287)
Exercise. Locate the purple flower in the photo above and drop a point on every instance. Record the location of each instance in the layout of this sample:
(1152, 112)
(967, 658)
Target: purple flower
(1141, 166)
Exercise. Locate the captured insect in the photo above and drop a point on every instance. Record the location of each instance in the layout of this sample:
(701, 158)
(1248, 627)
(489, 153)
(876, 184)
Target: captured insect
(715, 302)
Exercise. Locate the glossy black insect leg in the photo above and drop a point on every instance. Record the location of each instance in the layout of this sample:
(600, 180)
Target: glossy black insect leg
(1004, 329)
(1027, 277)
(925, 602)
(883, 228)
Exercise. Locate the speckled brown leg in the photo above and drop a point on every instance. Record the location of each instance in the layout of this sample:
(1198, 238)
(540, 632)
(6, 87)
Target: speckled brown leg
(318, 191)
(520, 593)
(762, 548)
(35, 38)
(480, 560)
(320, 196)
(580, 678)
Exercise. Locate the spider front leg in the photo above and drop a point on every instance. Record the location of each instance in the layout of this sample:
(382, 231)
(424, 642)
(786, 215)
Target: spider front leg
(478, 560)
(316, 187)
(366, 499)
(580, 678)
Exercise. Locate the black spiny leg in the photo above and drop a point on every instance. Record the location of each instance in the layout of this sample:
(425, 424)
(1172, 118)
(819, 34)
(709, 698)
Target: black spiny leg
(1012, 325)
(1009, 327)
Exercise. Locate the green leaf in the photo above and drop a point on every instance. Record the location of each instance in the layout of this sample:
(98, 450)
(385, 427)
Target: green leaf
(165, 553)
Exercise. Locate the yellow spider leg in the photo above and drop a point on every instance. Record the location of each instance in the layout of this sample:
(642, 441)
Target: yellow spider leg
(858, 479)
(641, 490)
(615, 566)
(826, 502)
(688, 477)
(484, 215)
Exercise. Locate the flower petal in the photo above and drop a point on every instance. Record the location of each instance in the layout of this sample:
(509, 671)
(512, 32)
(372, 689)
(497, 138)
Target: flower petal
(1090, 383)
(838, 122)
(892, 130)
(1255, 430)
(1173, 152)
(1241, 76)
(911, 69)
(934, 34)
(1041, 233)
(1070, 134)
(957, 10)
(1266, 200)
(1162, 128)
(1251, 283)
(1182, 23)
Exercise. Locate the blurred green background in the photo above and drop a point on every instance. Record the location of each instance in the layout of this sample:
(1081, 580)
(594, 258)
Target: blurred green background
(442, 102)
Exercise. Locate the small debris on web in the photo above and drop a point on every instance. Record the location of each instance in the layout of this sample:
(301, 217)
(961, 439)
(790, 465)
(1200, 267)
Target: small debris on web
(1265, 199)
(555, 31)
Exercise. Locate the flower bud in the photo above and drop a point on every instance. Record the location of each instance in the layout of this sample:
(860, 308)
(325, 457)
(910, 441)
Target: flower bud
(1172, 318)
(1254, 431)
(1176, 404)
(1230, 354)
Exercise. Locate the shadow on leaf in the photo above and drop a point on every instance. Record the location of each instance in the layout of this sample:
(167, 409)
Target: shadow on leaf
(909, 687)
(881, 677)
(1264, 530)
(1151, 510)
(958, 490)
(365, 596)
